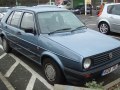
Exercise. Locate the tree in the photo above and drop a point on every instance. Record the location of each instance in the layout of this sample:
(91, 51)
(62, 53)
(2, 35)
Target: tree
(22, 2)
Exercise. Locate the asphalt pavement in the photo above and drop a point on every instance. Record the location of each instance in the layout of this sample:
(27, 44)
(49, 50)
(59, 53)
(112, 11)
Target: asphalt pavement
(20, 75)
(2, 85)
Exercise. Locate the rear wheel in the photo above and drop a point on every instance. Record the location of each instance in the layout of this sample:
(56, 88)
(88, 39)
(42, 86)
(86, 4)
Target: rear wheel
(104, 28)
(5, 45)
(52, 71)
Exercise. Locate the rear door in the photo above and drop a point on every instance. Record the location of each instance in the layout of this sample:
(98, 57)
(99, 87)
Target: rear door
(12, 27)
(114, 17)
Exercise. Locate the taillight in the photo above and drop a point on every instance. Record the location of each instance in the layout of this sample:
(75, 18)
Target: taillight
(99, 14)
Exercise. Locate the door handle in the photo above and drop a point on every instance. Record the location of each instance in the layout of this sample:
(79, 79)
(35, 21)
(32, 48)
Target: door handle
(18, 33)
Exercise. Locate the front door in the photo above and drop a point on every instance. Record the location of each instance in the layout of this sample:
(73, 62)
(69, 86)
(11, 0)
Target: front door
(28, 41)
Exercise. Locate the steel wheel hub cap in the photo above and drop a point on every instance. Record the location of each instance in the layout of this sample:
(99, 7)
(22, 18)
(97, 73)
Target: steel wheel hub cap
(50, 72)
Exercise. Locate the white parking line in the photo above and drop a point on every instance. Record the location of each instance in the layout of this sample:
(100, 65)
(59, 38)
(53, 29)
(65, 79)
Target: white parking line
(33, 72)
(8, 73)
(5, 81)
(3, 55)
(1, 47)
(31, 83)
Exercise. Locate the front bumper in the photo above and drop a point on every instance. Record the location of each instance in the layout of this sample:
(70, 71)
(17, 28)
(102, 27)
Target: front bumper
(76, 76)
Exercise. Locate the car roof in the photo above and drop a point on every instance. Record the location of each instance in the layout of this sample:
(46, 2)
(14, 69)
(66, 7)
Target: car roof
(111, 4)
(41, 8)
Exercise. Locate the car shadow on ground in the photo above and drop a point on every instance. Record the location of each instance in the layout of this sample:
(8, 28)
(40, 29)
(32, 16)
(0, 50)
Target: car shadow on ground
(115, 34)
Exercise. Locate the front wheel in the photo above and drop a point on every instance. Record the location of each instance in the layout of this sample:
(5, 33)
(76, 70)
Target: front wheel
(5, 45)
(52, 72)
(104, 28)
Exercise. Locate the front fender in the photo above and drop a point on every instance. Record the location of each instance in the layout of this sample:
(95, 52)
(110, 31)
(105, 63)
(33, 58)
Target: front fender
(54, 57)
(3, 34)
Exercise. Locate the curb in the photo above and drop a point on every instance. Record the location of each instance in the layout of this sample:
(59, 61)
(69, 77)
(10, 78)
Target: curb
(66, 87)
(115, 85)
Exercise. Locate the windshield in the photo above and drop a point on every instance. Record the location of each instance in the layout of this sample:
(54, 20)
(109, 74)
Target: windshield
(56, 21)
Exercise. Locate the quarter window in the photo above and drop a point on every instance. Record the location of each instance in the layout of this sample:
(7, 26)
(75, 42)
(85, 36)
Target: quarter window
(16, 18)
(27, 21)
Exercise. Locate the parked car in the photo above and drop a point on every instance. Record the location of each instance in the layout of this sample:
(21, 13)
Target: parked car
(109, 18)
(64, 4)
(57, 40)
(3, 11)
(50, 3)
(80, 9)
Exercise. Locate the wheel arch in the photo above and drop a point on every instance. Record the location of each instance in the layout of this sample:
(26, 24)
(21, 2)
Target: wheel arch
(54, 57)
(3, 35)
(104, 21)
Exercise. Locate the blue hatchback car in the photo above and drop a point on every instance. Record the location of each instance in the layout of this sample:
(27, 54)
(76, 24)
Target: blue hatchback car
(56, 39)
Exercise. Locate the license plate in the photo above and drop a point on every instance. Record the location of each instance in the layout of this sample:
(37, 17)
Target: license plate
(109, 70)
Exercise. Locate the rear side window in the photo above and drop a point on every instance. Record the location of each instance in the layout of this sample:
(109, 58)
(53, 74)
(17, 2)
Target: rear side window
(114, 9)
(27, 21)
(109, 9)
(16, 18)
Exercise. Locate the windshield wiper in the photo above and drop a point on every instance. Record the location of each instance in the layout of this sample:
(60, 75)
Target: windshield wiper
(78, 28)
(60, 30)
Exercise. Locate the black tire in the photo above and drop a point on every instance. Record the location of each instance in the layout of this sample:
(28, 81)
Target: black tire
(50, 67)
(5, 45)
(104, 28)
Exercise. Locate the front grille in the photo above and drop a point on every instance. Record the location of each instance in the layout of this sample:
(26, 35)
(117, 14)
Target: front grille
(105, 57)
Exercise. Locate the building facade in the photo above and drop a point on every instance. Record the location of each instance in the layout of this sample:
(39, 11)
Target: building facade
(117, 1)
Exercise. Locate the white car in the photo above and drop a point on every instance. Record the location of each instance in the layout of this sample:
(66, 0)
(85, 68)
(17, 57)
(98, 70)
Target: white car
(3, 11)
(109, 18)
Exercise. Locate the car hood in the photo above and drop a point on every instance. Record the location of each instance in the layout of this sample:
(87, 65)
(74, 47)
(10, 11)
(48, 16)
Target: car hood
(87, 43)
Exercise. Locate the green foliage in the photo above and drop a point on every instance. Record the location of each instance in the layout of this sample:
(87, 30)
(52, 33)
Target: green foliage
(94, 85)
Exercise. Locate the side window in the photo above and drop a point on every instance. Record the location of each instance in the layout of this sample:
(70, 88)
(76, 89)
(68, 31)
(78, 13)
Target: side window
(16, 18)
(109, 9)
(114, 9)
(27, 21)
(9, 18)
